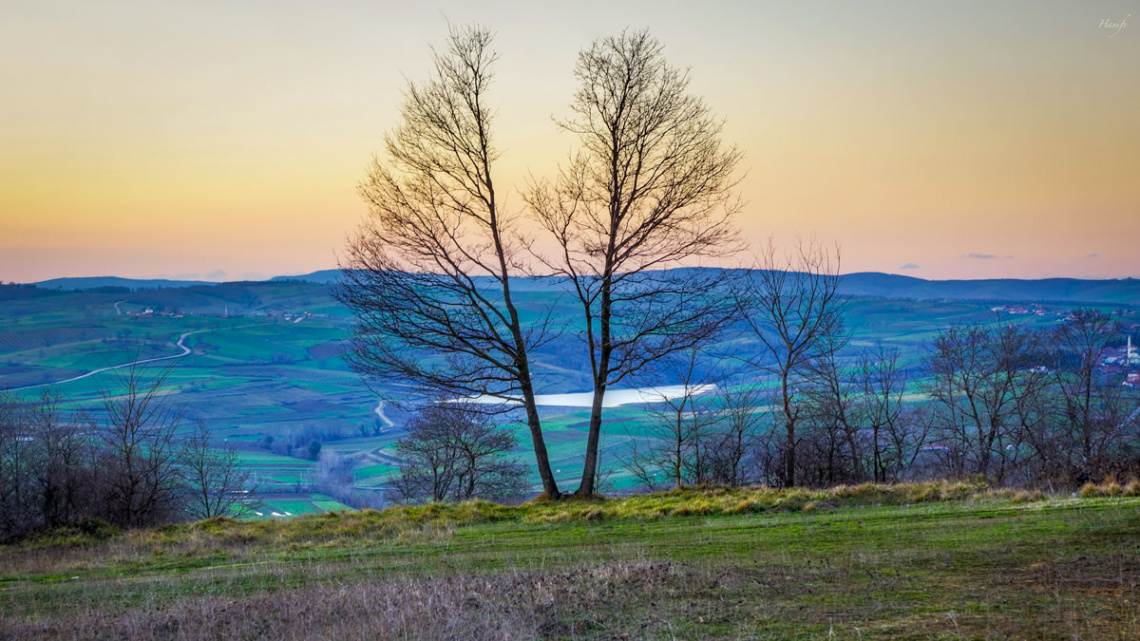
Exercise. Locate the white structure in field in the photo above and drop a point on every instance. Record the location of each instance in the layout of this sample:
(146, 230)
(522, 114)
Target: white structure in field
(1131, 379)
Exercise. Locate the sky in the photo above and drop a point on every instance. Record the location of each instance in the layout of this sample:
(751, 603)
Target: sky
(224, 140)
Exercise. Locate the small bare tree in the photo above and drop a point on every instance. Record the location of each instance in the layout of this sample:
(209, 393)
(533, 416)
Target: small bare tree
(216, 484)
(429, 275)
(651, 188)
(832, 421)
(732, 452)
(675, 445)
(898, 432)
(976, 373)
(1078, 421)
(140, 467)
(791, 304)
(452, 452)
(1093, 408)
(15, 466)
(62, 466)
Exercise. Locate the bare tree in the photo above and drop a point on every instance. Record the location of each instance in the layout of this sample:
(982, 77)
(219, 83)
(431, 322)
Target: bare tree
(48, 473)
(139, 466)
(1093, 410)
(651, 188)
(898, 432)
(832, 413)
(791, 304)
(15, 466)
(216, 484)
(429, 274)
(733, 449)
(1079, 421)
(58, 468)
(976, 372)
(62, 466)
(451, 452)
(676, 441)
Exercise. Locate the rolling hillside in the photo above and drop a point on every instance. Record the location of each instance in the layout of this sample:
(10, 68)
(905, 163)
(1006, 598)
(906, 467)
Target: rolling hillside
(1069, 290)
(264, 366)
(866, 284)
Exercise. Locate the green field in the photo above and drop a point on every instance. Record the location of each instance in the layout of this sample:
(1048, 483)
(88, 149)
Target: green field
(255, 372)
(249, 376)
(926, 561)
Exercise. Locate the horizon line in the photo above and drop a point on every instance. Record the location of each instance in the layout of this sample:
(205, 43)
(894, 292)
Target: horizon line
(215, 281)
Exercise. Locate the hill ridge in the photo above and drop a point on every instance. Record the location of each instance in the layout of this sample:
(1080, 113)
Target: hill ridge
(1122, 291)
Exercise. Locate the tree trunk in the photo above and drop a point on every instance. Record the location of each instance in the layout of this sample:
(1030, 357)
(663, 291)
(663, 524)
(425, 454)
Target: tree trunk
(549, 485)
(589, 472)
(678, 460)
(790, 426)
(601, 372)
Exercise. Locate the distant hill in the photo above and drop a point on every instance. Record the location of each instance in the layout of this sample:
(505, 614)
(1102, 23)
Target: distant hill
(332, 277)
(1072, 290)
(868, 284)
(322, 277)
(97, 282)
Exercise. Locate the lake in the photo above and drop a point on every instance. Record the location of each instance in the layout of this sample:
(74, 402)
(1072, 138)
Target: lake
(614, 397)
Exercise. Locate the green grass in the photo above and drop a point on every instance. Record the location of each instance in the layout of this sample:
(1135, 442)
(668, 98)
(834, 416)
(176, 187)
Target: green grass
(921, 561)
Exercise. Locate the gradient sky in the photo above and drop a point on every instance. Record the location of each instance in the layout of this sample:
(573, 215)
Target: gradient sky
(224, 139)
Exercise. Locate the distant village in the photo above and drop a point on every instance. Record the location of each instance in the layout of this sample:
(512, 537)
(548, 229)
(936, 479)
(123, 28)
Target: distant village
(1122, 360)
(297, 317)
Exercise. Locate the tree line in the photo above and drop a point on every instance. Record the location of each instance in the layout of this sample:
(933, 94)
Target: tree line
(1001, 401)
(138, 466)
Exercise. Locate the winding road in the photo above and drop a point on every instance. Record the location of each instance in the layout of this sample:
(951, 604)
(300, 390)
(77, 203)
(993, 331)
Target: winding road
(180, 344)
(383, 416)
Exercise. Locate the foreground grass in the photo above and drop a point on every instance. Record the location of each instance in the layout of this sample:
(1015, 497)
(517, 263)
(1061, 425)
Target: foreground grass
(930, 560)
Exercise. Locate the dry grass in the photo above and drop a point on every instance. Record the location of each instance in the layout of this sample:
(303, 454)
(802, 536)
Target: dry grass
(512, 605)
(205, 542)
(712, 501)
(949, 560)
(867, 597)
(1110, 487)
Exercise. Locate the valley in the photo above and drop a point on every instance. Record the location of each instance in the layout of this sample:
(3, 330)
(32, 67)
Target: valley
(261, 363)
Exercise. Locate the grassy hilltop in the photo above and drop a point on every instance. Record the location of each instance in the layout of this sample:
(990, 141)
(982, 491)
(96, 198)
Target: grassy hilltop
(913, 561)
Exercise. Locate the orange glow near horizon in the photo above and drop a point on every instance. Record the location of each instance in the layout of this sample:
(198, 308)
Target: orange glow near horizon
(941, 140)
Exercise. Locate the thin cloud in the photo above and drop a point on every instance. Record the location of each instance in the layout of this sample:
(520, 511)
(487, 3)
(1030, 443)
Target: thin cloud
(976, 256)
(909, 266)
(217, 274)
(1093, 255)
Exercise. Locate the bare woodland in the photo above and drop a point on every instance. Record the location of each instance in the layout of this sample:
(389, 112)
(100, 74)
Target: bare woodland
(128, 467)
